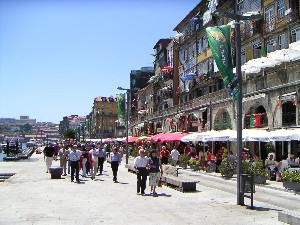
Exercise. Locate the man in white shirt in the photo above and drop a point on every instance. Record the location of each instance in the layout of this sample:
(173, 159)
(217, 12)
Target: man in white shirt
(74, 157)
(175, 156)
(94, 152)
(140, 163)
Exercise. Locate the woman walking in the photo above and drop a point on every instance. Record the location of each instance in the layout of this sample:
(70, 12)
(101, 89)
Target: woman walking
(155, 170)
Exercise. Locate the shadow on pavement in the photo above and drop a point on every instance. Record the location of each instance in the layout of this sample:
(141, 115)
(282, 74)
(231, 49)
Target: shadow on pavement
(157, 195)
(258, 208)
(122, 182)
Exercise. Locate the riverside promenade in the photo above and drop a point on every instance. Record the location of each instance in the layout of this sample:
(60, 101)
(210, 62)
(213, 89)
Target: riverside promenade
(31, 197)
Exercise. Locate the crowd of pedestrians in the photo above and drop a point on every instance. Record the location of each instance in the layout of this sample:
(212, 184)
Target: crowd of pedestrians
(88, 158)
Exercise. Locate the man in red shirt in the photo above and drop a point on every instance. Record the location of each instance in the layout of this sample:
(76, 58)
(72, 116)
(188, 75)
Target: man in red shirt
(164, 154)
(219, 160)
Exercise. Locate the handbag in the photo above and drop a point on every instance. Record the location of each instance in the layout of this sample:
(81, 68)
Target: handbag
(160, 183)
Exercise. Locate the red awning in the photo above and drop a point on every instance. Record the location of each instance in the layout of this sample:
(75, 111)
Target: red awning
(155, 137)
(130, 139)
(169, 137)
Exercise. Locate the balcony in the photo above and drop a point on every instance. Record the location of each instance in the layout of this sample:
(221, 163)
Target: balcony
(203, 101)
(277, 22)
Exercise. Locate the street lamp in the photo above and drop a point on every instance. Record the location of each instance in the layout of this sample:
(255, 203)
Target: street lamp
(102, 130)
(249, 16)
(127, 119)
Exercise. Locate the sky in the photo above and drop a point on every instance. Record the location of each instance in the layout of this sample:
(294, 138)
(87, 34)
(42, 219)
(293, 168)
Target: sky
(56, 56)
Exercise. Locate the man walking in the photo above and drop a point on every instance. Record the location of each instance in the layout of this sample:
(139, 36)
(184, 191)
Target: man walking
(101, 158)
(140, 163)
(74, 159)
(49, 154)
(63, 158)
(175, 156)
(115, 161)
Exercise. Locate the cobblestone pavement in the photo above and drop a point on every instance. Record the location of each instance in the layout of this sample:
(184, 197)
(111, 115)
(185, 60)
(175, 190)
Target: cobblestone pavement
(31, 197)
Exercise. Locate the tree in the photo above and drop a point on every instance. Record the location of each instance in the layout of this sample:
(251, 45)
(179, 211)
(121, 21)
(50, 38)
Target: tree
(69, 134)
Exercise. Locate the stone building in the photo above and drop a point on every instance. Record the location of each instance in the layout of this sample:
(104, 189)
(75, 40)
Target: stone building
(270, 91)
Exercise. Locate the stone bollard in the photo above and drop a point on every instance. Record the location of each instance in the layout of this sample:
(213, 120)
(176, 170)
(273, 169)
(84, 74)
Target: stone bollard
(56, 172)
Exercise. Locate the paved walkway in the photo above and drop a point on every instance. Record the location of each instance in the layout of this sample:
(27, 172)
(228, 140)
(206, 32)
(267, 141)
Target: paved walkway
(31, 197)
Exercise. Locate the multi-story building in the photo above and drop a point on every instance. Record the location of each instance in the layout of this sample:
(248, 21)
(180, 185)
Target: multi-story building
(103, 117)
(270, 94)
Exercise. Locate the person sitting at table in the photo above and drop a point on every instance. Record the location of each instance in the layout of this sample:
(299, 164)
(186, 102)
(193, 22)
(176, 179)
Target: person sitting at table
(271, 164)
(297, 161)
(291, 161)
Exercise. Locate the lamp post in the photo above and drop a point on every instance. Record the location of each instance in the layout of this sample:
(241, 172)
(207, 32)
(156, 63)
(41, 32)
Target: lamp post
(102, 115)
(238, 18)
(127, 119)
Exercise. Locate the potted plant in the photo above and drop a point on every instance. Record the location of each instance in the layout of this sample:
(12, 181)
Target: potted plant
(183, 161)
(258, 169)
(226, 168)
(291, 180)
(194, 164)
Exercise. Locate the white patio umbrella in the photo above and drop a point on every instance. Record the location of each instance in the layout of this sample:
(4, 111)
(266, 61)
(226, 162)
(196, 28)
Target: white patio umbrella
(190, 137)
(295, 46)
(284, 55)
(284, 135)
(263, 62)
(223, 135)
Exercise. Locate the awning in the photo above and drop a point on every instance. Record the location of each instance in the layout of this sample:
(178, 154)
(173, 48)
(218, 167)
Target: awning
(170, 137)
(155, 137)
(130, 139)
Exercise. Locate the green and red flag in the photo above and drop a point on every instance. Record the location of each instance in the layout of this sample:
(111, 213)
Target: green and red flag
(220, 44)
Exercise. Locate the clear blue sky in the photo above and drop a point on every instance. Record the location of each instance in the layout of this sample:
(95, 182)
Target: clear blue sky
(56, 56)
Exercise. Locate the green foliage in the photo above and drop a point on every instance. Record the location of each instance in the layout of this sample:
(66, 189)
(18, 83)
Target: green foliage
(69, 134)
(226, 166)
(133, 151)
(257, 168)
(194, 162)
(269, 147)
(183, 159)
(291, 176)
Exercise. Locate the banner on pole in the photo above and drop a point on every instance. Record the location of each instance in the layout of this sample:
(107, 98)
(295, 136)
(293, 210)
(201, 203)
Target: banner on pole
(121, 107)
(219, 42)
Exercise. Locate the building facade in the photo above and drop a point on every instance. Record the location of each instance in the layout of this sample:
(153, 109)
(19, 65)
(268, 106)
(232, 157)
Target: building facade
(270, 94)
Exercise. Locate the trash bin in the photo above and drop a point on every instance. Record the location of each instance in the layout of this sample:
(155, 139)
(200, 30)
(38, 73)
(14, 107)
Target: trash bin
(247, 183)
(56, 172)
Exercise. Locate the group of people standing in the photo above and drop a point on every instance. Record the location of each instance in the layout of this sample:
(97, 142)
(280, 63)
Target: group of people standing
(89, 159)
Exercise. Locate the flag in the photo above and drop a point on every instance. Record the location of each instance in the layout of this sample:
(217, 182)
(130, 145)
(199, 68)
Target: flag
(121, 107)
(220, 44)
(255, 120)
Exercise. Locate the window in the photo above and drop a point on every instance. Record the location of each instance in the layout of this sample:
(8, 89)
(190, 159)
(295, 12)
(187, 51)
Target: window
(240, 5)
(270, 45)
(281, 41)
(295, 34)
(257, 50)
(270, 22)
(243, 56)
(288, 113)
(280, 9)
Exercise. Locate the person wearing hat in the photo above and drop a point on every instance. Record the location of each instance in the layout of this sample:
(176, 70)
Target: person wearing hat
(140, 163)
(155, 169)
(49, 154)
(115, 161)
